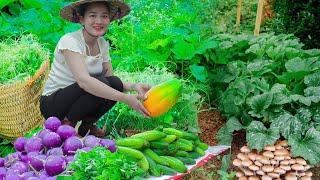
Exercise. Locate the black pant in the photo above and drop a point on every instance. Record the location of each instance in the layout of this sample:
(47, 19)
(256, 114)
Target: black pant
(76, 104)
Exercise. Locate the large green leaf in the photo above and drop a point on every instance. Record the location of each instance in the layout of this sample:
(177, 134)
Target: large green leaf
(307, 146)
(287, 125)
(258, 136)
(259, 104)
(313, 93)
(223, 136)
(312, 79)
(233, 124)
(4, 3)
(199, 72)
(183, 50)
(299, 98)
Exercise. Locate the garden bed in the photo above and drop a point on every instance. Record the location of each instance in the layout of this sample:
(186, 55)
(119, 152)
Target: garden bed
(210, 121)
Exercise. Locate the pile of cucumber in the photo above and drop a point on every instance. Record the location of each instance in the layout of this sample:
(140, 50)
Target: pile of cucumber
(163, 151)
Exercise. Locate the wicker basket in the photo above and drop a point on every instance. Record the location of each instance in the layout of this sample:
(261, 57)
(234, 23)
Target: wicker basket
(19, 104)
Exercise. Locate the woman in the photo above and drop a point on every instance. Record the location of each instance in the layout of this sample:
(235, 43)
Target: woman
(81, 86)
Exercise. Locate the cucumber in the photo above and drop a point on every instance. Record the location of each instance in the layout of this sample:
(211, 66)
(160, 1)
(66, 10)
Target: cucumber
(131, 152)
(189, 136)
(136, 143)
(173, 148)
(176, 164)
(183, 146)
(200, 151)
(166, 170)
(160, 152)
(150, 135)
(194, 155)
(182, 154)
(155, 157)
(159, 144)
(172, 131)
(144, 164)
(186, 160)
(169, 138)
(201, 145)
(153, 167)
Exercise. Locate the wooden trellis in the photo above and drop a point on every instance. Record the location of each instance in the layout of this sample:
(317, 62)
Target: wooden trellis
(259, 16)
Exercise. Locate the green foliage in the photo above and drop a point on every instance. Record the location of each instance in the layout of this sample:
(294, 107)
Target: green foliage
(267, 84)
(101, 164)
(157, 33)
(6, 147)
(39, 17)
(183, 115)
(20, 58)
(298, 17)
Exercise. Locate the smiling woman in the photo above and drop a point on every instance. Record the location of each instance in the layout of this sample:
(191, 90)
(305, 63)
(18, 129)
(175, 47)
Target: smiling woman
(81, 85)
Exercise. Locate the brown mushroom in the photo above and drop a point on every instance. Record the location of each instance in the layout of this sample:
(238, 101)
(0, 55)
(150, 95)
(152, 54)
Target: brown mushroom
(254, 167)
(260, 172)
(291, 177)
(308, 173)
(266, 177)
(297, 167)
(246, 162)
(283, 143)
(305, 178)
(268, 154)
(273, 162)
(242, 156)
(278, 147)
(301, 161)
(239, 174)
(302, 174)
(279, 158)
(307, 167)
(267, 168)
(258, 157)
(273, 175)
(264, 160)
(270, 148)
(258, 163)
(243, 178)
(287, 168)
(252, 156)
(247, 172)
(244, 149)
(292, 161)
(287, 157)
(253, 178)
(236, 162)
(281, 152)
(279, 170)
(284, 162)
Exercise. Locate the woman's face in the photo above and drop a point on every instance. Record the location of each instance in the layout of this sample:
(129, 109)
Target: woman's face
(96, 19)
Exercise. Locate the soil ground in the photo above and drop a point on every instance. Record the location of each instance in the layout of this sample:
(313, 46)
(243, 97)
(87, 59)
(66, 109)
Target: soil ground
(210, 122)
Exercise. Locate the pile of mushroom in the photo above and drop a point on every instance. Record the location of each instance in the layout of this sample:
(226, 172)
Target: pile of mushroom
(274, 162)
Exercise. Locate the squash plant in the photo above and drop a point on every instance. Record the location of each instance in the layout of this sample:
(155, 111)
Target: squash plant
(269, 86)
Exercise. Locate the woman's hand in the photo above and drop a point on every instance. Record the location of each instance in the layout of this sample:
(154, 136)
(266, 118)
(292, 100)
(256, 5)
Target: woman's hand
(142, 89)
(134, 103)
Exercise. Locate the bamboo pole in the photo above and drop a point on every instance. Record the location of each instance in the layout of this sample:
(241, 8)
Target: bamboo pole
(238, 14)
(258, 18)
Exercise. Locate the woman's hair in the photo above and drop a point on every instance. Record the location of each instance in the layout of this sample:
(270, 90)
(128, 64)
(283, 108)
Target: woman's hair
(83, 7)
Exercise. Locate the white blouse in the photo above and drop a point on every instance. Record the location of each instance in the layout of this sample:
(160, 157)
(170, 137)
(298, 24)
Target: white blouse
(60, 75)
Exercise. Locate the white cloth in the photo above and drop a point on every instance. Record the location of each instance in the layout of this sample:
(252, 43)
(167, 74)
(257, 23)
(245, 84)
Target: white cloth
(60, 75)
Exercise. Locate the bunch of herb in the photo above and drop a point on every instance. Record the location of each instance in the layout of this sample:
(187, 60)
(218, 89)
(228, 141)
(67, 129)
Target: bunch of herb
(183, 115)
(20, 58)
(6, 147)
(101, 164)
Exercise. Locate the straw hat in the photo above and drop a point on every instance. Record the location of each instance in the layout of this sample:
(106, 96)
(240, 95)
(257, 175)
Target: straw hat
(118, 9)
